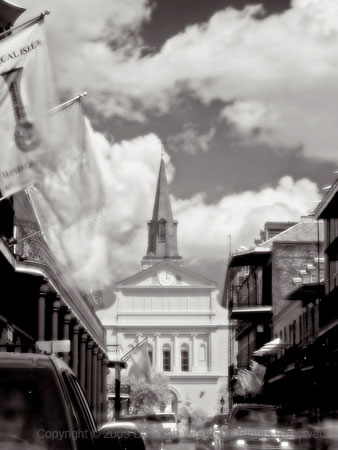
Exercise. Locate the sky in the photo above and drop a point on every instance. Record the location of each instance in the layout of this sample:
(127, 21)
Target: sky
(242, 96)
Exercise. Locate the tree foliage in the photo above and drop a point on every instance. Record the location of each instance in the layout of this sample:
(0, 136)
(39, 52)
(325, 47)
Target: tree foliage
(148, 396)
(197, 415)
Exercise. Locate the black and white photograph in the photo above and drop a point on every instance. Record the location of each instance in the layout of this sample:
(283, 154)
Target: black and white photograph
(168, 234)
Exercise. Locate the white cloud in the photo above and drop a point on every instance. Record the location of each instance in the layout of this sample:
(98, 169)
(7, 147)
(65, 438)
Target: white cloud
(279, 73)
(130, 170)
(203, 228)
(285, 63)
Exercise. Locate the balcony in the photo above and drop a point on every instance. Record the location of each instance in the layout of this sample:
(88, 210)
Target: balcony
(295, 359)
(247, 311)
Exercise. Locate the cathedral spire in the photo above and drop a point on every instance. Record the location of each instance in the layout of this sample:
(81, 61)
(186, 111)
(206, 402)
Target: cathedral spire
(162, 228)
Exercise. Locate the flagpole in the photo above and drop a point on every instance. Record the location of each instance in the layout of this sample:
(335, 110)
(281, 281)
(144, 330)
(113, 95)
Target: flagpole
(128, 354)
(25, 24)
(68, 102)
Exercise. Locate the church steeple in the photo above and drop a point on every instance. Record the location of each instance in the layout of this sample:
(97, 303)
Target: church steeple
(162, 228)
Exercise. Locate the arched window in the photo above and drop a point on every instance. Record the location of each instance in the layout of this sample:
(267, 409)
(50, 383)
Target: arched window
(202, 352)
(166, 354)
(162, 230)
(184, 358)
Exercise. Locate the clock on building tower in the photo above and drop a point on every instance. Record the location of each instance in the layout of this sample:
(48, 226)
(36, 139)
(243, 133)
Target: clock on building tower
(166, 278)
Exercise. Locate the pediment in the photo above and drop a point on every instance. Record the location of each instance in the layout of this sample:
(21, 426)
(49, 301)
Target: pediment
(166, 274)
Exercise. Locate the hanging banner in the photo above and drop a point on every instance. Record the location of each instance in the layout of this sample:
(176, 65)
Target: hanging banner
(72, 186)
(69, 198)
(29, 135)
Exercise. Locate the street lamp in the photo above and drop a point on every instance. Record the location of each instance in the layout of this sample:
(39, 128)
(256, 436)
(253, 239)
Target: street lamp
(222, 403)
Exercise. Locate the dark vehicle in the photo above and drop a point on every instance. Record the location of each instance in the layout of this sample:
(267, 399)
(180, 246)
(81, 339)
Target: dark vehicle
(208, 436)
(43, 407)
(150, 428)
(256, 426)
(221, 419)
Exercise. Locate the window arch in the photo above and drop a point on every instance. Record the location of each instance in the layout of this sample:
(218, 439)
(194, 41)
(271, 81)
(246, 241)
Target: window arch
(166, 358)
(162, 230)
(184, 358)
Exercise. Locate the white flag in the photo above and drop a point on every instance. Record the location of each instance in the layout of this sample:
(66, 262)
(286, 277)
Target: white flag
(28, 133)
(140, 364)
(72, 186)
(68, 200)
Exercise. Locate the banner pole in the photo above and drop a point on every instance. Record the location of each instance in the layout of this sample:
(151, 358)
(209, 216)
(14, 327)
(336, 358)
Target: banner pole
(25, 24)
(68, 102)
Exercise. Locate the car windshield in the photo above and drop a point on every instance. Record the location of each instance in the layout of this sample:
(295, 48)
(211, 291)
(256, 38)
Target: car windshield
(167, 418)
(31, 414)
(255, 416)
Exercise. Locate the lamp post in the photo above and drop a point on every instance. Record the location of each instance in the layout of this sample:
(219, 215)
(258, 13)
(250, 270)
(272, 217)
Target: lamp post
(222, 404)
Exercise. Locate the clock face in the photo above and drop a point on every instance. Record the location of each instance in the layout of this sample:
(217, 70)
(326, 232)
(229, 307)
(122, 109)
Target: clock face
(166, 278)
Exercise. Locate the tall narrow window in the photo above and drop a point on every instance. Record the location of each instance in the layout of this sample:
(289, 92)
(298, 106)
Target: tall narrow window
(166, 359)
(184, 360)
(162, 232)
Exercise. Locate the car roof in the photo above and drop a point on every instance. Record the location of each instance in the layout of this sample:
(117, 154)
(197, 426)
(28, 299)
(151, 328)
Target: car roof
(30, 360)
(119, 425)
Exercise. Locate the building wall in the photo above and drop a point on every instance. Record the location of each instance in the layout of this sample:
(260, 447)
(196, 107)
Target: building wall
(287, 259)
(286, 323)
(174, 320)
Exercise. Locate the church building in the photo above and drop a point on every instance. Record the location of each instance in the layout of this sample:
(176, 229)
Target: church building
(178, 311)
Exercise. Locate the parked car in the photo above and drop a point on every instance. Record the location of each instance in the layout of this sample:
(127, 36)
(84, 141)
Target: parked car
(256, 427)
(125, 435)
(42, 406)
(170, 426)
(150, 428)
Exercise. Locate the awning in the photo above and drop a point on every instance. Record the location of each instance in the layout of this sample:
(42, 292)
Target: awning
(271, 348)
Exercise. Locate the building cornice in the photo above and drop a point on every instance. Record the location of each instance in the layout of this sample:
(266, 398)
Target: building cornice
(170, 327)
(194, 377)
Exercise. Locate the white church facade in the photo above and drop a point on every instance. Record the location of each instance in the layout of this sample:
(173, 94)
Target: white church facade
(178, 311)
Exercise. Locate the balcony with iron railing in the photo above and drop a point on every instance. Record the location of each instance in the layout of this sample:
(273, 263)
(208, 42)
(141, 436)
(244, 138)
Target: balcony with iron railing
(296, 358)
(248, 303)
(32, 253)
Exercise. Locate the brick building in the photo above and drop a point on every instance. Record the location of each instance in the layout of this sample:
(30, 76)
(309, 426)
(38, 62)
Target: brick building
(258, 282)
